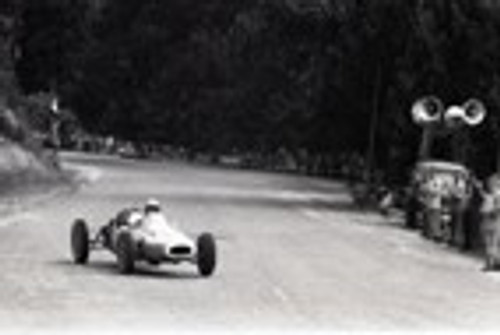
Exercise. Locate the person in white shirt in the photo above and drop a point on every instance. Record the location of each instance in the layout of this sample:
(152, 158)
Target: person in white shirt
(490, 211)
(156, 229)
(154, 222)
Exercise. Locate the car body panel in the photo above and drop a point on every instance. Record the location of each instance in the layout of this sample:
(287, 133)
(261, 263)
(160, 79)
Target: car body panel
(166, 244)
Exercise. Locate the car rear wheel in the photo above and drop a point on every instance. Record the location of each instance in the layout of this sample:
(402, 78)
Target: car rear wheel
(125, 253)
(80, 242)
(207, 254)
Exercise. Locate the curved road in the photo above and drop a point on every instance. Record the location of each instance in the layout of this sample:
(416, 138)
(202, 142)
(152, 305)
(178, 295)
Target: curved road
(294, 255)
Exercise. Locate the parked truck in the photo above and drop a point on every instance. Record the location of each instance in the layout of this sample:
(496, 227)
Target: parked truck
(444, 196)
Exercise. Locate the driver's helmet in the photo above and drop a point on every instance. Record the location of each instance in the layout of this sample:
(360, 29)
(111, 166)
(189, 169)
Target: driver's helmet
(152, 205)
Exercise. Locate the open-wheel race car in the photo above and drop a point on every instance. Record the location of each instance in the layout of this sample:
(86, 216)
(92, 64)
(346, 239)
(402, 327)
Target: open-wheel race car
(131, 238)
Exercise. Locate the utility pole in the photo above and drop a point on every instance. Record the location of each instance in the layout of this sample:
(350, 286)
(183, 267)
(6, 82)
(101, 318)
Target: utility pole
(8, 85)
(55, 123)
(370, 153)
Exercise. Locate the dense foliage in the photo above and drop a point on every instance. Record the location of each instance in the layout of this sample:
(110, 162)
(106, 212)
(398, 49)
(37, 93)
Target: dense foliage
(309, 77)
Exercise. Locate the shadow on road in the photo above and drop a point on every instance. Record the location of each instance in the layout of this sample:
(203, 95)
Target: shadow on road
(109, 268)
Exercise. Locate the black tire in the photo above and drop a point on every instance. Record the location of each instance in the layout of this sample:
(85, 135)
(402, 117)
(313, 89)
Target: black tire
(449, 228)
(425, 227)
(411, 213)
(436, 226)
(207, 254)
(80, 242)
(125, 253)
(470, 229)
(459, 234)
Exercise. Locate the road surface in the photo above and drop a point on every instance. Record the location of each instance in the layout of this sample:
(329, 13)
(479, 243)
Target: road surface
(294, 256)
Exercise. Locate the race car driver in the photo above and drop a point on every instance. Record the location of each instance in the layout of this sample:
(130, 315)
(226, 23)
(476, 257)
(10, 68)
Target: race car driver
(154, 222)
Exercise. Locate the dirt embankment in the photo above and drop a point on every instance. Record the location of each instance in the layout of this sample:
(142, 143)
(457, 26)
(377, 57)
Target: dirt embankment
(27, 177)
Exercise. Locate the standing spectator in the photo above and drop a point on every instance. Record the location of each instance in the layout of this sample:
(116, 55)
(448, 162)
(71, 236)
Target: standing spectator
(490, 212)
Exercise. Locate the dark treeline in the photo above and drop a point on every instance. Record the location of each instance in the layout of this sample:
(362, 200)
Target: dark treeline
(312, 77)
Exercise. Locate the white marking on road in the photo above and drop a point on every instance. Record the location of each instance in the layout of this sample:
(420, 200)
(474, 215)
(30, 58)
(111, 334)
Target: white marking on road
(94, 174)
(315, 215)
(17, 218)
(281, 295)
(89, 174)
(494, 276)
(85, 174)
(362, 225)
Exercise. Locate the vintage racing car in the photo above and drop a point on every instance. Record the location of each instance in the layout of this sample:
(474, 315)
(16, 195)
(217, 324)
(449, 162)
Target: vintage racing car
(127, 239)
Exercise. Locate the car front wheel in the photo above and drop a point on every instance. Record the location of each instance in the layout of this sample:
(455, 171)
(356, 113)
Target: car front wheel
(125, 253)
(80, 242)
(207, 254)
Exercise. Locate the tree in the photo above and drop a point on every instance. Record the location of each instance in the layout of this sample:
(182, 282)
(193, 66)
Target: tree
(322, 77)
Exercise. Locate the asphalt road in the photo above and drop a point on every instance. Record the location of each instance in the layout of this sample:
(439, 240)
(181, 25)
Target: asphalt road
(294, 255)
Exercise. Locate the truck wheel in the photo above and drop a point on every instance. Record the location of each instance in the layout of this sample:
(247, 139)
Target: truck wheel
(207, 254)
(411, 213)
(459, 238)
(470, 229)
(425, 227)
(80, 242)
(449, 228)
(436, 225)
(125, 253)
